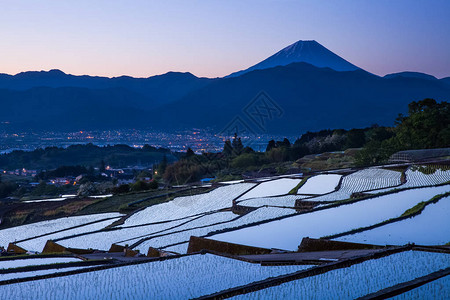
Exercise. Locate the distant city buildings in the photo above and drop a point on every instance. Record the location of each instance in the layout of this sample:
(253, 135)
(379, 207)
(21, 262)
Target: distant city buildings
(198, 140)
(20, 172)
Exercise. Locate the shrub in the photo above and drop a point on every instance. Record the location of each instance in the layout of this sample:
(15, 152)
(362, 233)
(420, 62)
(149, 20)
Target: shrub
(245, 160)
(139, 186)
(87, 189)
(153, 185)
(121, 189)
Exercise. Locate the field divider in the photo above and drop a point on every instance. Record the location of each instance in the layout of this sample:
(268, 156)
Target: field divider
(27, 256)
(124, 218)
(406, 286)
(158, 196)
(302, 182)
(435, 249)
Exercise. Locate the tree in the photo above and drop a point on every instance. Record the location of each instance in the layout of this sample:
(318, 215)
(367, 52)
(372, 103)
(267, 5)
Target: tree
(239, 147)
(153, 185)
(183, 171)
(227, 148)
(379, 133)
(45, 189)
(90, 170)
(62, 171)
(284, 143)
(162, 165)
(144, 174)
(234, 143)
(270, 145)
(356, 138)
(248, 149)
(139, 186)
(245, 160)
(121, 189)
(426, 126)
(374, 152)
(87, 189)
(189, 153)
(298, 151)
(278, 154)
(7, 188)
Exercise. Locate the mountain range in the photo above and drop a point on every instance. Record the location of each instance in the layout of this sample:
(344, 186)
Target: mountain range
(307, 87)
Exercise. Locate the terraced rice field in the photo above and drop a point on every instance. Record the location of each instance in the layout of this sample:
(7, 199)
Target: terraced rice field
(182, 207)
(17, 263)
(13, 267)
(271, 188)
(361, 181)
(103, 240)
(32, 274)
(36, 229)
(287, 233)
(183, 236)
(431, 227)
(287, 201)
(37, 244)
(170, 225)
(416, 178)
(46, 200)
(320, 184)
(189, 277)
(358, 280)
(438, 289)
(166, 234)
(180, 248)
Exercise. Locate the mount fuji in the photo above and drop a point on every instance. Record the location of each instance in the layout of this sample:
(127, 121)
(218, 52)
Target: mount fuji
(310, 52)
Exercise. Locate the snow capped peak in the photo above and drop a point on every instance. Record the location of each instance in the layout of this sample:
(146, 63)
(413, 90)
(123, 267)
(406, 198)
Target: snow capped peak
(296, 49)
(308, 51)
(298, 46)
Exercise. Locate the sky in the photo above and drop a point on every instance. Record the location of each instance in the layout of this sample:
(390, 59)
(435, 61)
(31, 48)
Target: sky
(215, 38)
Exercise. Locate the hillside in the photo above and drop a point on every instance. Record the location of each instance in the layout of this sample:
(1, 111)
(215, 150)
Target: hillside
(69, 108)
(157, 90)
(311, 98)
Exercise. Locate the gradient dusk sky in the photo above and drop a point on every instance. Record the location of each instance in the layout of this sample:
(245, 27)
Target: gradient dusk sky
(215, 38)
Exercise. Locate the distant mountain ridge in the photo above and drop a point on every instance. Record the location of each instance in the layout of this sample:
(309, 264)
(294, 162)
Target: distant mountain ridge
(335, 94)
(158, 90)
(302, 51)
(409, 74)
